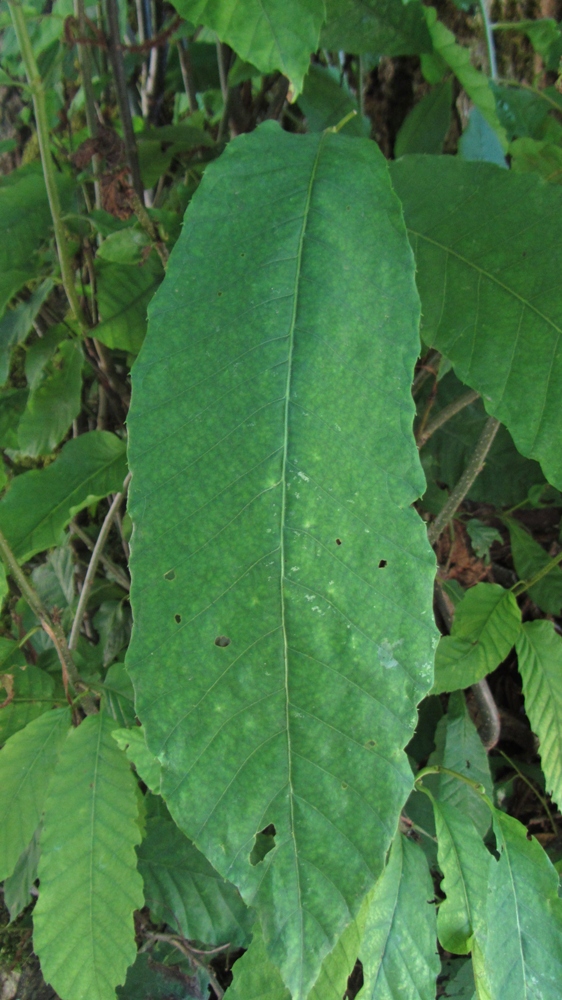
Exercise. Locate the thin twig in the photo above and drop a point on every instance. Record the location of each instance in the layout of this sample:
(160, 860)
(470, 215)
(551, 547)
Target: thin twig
(464, 484)
(42, 124)
(530, 785)
(107, 563)
(92, 568)
(187, 74)
(182, 945)
(85, 60)
(445, 414)
(430, 367)
(118, 66)
(490, 45)
(52, 628)
(522, 585)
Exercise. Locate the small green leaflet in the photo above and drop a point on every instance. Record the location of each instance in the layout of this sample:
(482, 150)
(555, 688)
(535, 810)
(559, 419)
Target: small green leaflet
(539, 652)
(464, 861)
(39, 504)
(273, 576)
(89, 884)
(31, 690)
(54, 403)
(530, 558)
(148, 768)
(17, 886)
(485, 627)
(460, 749)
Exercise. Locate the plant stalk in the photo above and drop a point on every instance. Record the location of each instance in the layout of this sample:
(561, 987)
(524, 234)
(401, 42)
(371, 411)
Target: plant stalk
(187, 74)
(118, 66)
(85, 61)
(51, 627)
(522, 585)
(472, 470)
(92, 568)
(40, 110)
(490, 45)
(445, 414)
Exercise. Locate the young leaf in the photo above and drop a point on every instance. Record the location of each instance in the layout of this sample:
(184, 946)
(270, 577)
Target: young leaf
(399, 949)
(464, 861)
(17, 887)
(26, 766)
(133, 742)
(271, 34)
(522, 951)
(427, 124)
(326, 100)
(117, 695)
(476, 84)
(29, 693)
(278, 568)
(182, 889)
(124, 292)
(39, 504)
(539, 652)
(375, 26)
(17, 323)
(482, 537)
(53, 404)
(463, 752)
(480, 142)
(486, 244)
(89, 886)
(530, 558)
(486, 625)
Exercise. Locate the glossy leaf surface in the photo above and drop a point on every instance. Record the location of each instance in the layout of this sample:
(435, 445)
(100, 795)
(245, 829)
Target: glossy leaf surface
(83, 921)
(487, 243)
(279, 572)
(539, 653)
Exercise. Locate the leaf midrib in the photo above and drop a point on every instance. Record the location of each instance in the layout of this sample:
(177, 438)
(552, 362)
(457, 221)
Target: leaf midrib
(298, 270)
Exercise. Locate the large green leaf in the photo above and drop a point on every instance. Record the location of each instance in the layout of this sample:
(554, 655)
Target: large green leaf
(462, 751)
(486, 625)
(26, 766)
(89, 885)
(539, 652)
(487, 244)
(522, 951)
(39, 504)
(464, 861)
(399, 949)
(270, 34)
(182, 889)
(281, 580)
(382, 27)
